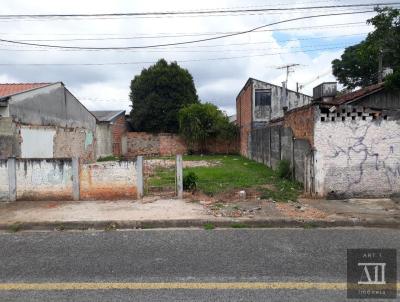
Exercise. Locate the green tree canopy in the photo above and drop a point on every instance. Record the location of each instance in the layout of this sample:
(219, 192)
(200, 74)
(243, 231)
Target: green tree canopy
(200, 122)
(358, 65)
(157, 95)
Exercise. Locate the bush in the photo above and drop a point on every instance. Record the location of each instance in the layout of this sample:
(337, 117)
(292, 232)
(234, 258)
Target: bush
(190, 181)
(283, 169)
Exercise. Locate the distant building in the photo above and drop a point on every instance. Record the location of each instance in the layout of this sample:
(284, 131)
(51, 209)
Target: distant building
(339, 146)
(259, 102)
(44, 120)
(110, 134)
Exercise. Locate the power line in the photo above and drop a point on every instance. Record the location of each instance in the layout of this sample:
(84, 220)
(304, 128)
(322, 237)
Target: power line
(182, 34)
(174, 50)
(199, 12)
(180, 61)
(184, 42)
(193, 34)
(178, 48)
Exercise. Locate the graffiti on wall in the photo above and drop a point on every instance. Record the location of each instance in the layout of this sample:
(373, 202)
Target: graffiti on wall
(358, 157)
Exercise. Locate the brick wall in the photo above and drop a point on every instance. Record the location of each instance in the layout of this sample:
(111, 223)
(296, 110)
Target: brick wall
(142, 143)
(172, 144)
(301, 121)
(167, 144)
(118, 130)
(244, 117)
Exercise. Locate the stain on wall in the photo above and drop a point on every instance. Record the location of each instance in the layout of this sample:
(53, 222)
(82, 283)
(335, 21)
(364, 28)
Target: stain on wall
(4, 189)
(41, 179)
(9, 144)
(357, 156)
(108, 180)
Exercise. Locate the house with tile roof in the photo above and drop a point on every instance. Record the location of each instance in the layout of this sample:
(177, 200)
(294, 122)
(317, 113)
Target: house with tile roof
(338, 145)
(44, 120)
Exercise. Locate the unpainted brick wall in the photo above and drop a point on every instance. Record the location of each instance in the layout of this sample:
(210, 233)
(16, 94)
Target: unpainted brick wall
(171, 144)
(76, 142)
(244, 117)
(119, 128)
(301, 121)
(167, 144)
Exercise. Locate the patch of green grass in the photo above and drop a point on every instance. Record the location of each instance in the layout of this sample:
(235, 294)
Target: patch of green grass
(310, 225)
(231, 172)
(162, 177)
(238, 225)
(112, 226)
(209, 226)
(60, 227)
(15, 227)
(285, 190)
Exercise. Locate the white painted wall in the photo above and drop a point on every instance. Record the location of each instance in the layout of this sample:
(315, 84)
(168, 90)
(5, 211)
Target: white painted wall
(357, 157)
(37, 143)
(44, 179)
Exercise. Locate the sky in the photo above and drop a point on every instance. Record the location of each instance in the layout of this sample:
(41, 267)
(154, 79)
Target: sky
(220, 67)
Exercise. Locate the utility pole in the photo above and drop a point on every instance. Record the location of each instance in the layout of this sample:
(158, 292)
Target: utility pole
(287, 67)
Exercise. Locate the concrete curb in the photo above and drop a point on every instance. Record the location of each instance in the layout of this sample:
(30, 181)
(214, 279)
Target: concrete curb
(187, 223)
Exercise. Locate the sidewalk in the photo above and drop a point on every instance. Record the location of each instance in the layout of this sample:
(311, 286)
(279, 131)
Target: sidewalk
(163, 213)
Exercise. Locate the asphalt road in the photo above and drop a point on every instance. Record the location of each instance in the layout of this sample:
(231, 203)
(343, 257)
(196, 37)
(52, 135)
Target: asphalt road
(182, 265)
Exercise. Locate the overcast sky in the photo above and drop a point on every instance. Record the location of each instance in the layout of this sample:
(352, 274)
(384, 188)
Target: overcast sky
(312, 43)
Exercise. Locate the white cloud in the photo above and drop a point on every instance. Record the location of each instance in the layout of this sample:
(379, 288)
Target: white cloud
(218, 81)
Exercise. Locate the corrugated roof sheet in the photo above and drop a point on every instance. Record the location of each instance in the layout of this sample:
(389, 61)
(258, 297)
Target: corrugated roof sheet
(352, 96)
(14, 88)
(107, 115)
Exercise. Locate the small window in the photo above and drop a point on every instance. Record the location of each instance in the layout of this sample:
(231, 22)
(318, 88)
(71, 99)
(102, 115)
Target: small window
(263, 97)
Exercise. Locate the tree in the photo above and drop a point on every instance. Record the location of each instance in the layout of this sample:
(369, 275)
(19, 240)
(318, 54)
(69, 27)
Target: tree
(200, 122)
(358, 65)
(157, 95)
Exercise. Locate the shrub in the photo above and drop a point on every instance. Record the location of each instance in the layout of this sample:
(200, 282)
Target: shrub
(190, 181)
(283, 169)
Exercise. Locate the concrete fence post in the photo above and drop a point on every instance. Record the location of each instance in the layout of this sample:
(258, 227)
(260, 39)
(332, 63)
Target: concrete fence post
(75, 179)
(12, 178)
(139, 172)
(179, 176)
(293, 159)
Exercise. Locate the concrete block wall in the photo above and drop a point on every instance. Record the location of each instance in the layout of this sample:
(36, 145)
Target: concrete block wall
(357, 154)
(108, 180)
(271, 144)
(44, 179)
